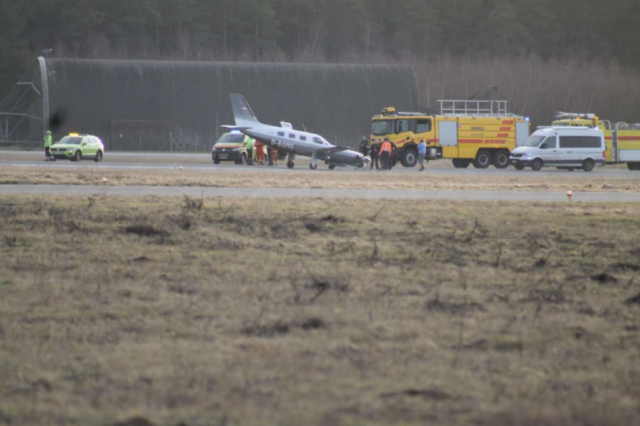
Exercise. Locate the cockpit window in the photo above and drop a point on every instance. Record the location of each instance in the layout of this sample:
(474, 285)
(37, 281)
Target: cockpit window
(318, 141)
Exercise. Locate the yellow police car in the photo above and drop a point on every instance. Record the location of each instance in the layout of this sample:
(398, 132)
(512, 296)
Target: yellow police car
(76, 147)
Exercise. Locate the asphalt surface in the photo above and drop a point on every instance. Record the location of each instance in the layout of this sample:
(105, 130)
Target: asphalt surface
(302, 165)
(369, 194)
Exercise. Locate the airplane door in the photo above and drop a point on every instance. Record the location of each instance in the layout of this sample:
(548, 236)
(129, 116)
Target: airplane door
(522, 132)
(448, 133)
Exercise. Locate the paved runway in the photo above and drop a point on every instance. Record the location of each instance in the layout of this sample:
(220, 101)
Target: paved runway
(302, 165)
(532, 196)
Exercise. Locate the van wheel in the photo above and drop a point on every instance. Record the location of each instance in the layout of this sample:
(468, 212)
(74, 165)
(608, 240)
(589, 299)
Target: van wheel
(536, 164)
(483, 160)
(587, 166)
(216, 159)
(519, 166)
(461, 164)
(501, 159)
(409, 157)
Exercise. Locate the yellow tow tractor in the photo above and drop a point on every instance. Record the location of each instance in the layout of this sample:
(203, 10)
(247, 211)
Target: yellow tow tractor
(622, 139)
(468, 132)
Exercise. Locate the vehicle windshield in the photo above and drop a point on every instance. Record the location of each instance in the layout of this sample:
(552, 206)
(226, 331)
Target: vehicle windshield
(534, 141)
(381, 127)
(231, 138)
(70, 140)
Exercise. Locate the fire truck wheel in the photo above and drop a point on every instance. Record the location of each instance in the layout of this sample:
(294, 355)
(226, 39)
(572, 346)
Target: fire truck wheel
(633, 166)
(536, 165)
(409, 157)
(501, 159)
(483, 160)
(587, 166)
(461, 164)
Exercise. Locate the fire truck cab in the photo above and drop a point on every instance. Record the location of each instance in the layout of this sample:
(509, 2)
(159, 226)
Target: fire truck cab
(468, 132)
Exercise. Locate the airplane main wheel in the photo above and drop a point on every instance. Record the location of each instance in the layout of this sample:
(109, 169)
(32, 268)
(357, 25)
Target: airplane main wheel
(290, 164)
(332, 166)
(313, 166)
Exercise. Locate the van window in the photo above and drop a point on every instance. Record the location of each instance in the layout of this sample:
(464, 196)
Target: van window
(580, 142)
(423, 126)
(551, 142)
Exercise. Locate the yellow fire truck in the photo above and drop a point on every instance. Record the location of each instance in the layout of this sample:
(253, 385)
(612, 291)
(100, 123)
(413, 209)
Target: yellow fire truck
(468, 132)
(622, 139)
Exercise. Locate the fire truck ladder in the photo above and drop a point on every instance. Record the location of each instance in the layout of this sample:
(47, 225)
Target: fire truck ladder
(474, 108)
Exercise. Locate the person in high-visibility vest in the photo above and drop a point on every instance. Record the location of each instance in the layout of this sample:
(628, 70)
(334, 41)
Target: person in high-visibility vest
(249, 151)
(47, 146)
(385, 152)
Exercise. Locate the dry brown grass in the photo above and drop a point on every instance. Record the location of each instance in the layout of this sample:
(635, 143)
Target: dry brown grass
(261, 178)
(254, 312)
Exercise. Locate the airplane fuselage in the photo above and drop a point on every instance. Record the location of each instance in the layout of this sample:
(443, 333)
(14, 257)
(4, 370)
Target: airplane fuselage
(303, 143)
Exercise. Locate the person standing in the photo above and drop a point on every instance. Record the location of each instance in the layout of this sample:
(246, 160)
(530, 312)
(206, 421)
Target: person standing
(249, 151)
(385, 152)
(422, 151)
(364, 146)
(47, 146)
(392, 156)
(260, 153)
(269, 155)
(375, 155)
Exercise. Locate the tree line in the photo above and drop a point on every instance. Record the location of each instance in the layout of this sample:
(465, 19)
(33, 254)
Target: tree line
(418, 32)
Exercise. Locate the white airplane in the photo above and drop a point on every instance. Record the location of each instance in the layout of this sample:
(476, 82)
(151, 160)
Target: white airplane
(292, 142)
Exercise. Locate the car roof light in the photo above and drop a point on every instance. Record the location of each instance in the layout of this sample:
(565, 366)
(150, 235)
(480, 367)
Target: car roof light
(74, 134)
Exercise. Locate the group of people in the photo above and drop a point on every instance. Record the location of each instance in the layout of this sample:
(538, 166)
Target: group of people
(261, 158)
(384, 151)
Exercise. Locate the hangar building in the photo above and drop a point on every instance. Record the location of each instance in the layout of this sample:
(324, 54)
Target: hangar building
(179, 106)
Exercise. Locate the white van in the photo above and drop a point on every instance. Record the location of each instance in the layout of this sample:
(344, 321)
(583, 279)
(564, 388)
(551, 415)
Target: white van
(567, 148)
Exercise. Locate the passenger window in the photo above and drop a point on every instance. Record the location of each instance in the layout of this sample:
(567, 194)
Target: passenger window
(292, 136)
(423, 126)
(303, 138)
(281, 134)
(551, 142)
(402, 126)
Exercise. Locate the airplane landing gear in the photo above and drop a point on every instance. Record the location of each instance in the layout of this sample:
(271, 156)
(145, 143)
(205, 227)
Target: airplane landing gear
(290, 164)
(332, 166)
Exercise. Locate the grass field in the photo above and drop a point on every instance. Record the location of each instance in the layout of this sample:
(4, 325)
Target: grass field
(171, 311)
(60, 174)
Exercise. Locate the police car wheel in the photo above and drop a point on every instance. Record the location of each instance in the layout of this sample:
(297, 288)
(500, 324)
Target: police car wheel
(98, 157)
(290, 164)
(500, 160)
(216, 160)
(536, 165)
(587, 166)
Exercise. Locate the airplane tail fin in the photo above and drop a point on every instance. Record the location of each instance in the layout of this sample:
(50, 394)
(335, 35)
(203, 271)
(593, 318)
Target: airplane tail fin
(242, 112)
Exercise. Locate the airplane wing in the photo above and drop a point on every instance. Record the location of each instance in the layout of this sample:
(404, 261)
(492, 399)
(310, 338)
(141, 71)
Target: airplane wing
(328, 151)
